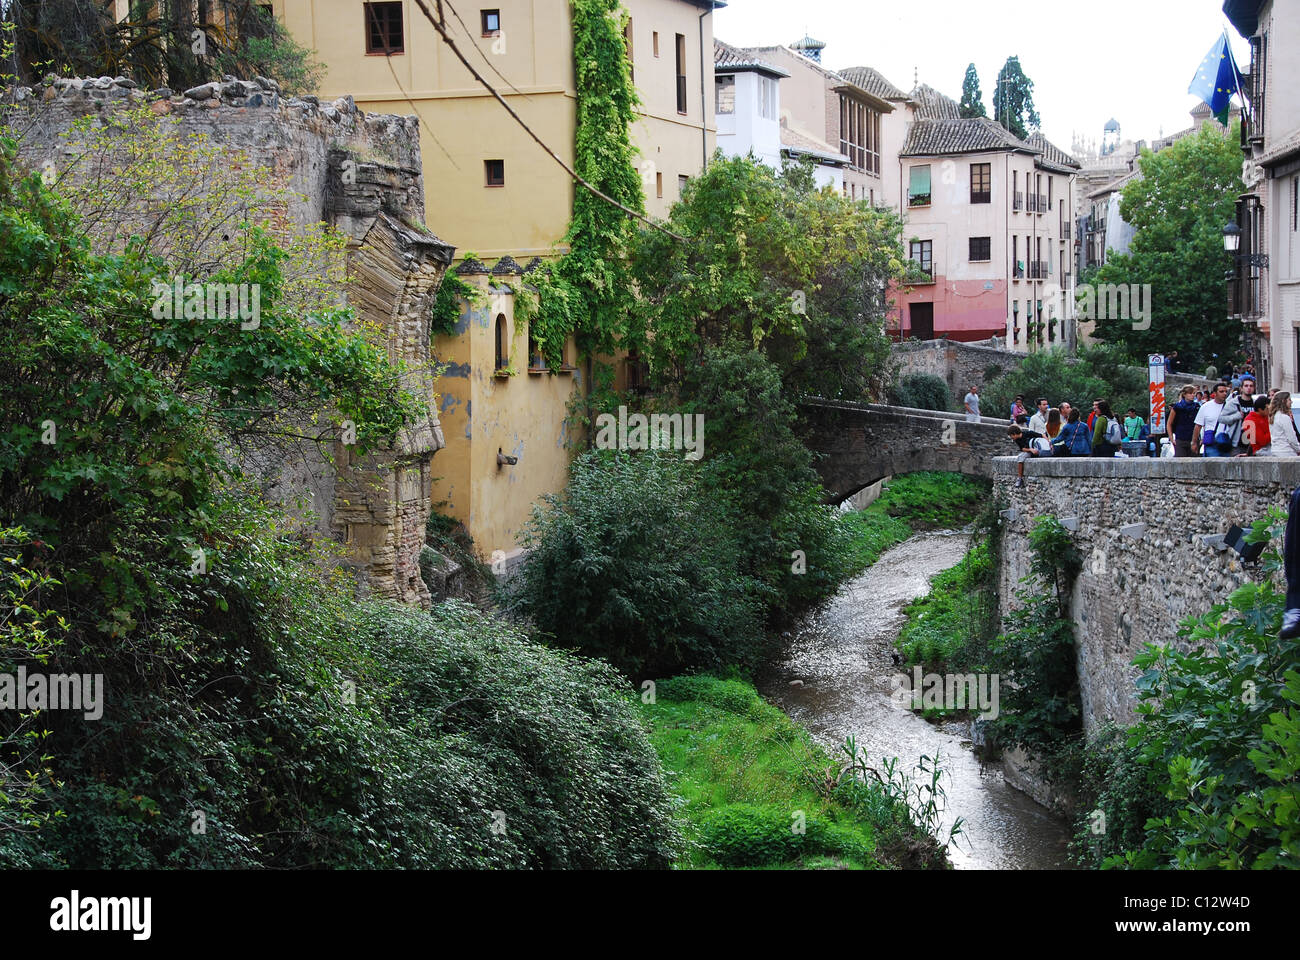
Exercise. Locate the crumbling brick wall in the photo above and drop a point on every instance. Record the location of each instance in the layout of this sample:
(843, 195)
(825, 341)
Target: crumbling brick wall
(325, 162)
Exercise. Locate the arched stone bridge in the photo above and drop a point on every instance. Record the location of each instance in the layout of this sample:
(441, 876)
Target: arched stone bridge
(858, 443)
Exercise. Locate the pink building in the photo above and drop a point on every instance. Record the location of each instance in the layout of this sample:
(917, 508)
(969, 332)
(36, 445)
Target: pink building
(988, 219)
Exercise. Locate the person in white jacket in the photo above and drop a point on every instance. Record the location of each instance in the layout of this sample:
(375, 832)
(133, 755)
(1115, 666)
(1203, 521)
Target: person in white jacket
(1284, 439)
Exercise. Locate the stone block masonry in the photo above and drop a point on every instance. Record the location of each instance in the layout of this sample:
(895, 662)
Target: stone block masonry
(1142, 526)
(356, 172)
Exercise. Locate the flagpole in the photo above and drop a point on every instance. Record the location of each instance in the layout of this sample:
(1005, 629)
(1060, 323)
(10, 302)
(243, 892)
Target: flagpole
(1246, 105)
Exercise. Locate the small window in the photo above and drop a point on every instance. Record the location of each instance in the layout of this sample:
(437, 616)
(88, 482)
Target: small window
(494, 172)
(627, 48)
(767, 98)
(659, 184)
(724, 95)
(681, 183)
(655, 40)
(383, 28)
(491, 22)
(981, 183)
(681, 73)
(981, 249)
(503, 349)
(918, 190)
(922, 254)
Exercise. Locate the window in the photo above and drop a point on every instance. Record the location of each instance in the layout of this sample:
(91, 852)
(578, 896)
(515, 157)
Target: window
(681, 73)
(860, 134)
(491, 20)
(383, 27)
(494, 173)
(767, 98)
(627, 48)
(724, 94)
(918, 189)
(981, 249)
(981, 183)
(1015, 321)
(659, 184)
(503, 350)
(1295, 204)
(655, 39)
(922, 254)
(681, 183)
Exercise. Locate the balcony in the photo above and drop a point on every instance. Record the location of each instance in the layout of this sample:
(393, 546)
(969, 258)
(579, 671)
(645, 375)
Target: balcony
(1044, 206)
(1038, 270)
(1017, 201)
(918, 200)
(1066, 230)
(1033, 203)
(1018, 270)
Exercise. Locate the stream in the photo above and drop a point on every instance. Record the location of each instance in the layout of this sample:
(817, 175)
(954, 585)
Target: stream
(842, 652)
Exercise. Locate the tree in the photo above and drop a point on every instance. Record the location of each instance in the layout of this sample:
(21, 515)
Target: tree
(1013, 100)
(1178, 206)
(972, 100)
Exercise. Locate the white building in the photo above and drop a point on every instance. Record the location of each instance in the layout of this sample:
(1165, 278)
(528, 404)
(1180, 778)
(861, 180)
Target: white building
(747, 102)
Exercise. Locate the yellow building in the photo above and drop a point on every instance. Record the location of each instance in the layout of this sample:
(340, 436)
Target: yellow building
(491, 189)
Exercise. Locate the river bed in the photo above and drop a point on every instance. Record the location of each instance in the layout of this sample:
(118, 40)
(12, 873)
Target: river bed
(842, 654)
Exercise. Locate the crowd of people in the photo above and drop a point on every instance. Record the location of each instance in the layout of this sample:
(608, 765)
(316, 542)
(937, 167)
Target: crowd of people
(1229, 420)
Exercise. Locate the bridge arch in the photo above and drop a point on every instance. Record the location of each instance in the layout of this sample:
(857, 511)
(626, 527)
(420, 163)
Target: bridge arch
(857, 444)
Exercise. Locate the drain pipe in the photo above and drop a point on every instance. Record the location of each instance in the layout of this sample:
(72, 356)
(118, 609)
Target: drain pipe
(704, 114)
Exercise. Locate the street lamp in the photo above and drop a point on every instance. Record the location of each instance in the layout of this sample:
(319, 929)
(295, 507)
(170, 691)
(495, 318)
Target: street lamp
(1231, 237)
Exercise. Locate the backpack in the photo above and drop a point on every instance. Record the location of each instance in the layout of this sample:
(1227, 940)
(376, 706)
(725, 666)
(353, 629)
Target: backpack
(1113, 433)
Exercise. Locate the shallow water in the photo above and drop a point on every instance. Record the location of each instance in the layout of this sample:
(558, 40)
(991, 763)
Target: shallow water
(843, 653)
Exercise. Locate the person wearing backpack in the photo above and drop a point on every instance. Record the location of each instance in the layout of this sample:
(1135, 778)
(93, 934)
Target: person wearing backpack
(1217, 436)
(1106, 432)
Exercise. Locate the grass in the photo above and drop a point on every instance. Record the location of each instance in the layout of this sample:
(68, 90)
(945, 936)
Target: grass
(910, 504)
(943, 628)
(747, 777)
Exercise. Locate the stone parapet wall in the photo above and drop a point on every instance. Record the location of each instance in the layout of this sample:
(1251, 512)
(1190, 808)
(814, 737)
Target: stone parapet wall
(1142, 526)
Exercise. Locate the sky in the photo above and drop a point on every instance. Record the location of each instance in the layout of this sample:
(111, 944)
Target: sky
(1089, 61)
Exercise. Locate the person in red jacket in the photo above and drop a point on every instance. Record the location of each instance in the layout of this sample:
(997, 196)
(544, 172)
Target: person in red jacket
(1255, 430)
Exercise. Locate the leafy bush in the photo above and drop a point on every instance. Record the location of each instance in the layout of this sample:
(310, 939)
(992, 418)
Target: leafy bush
(944, 626)
(1099, 371)
(743, 835)
(1220, 729)
(634, 563)
(922, 391)
(1114, 781)
(1035, 655)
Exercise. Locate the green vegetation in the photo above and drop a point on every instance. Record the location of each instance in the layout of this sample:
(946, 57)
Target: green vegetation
(155, 44)
(921, 391)
(972, 100)
(747, 775)
(1100, 372)
(635, 563)
(253, 713)
(944, 629)
(1013, 100)
(910, 504)
(1178, 207)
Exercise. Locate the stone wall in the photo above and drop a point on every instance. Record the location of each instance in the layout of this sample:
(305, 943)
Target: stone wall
(1142, 525)
(961, 364)
(316, 162)
(857, 444)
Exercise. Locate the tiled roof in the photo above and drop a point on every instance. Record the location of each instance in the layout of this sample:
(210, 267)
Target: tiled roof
(729, 59)
(929, 138)
(933, 105)
(873, 82)
(1053, 156)
(881, 102)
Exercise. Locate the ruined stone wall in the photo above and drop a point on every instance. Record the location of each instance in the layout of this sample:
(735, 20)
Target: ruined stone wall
(1142, 526)
(323, 162)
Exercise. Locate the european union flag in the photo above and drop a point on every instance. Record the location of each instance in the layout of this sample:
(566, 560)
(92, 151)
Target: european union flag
(1217, 79)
